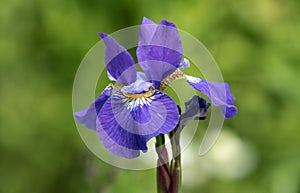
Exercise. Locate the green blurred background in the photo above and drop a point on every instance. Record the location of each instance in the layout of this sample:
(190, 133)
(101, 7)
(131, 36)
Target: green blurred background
(255, 42)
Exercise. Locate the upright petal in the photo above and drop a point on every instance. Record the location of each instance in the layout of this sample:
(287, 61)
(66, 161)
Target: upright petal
(147, 30)
(88, 116)
(160, 50)
(131, 124)
(119, 62)
(219, 94)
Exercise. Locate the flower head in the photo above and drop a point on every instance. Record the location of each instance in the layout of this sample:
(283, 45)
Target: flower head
(133, 110)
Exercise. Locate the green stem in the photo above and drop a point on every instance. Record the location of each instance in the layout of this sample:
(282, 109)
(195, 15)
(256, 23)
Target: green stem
(160, 140)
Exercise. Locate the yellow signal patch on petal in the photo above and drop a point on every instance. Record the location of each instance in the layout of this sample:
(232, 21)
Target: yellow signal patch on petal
(132, 96)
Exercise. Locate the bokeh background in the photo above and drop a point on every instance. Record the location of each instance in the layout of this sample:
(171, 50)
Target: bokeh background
(255, 42)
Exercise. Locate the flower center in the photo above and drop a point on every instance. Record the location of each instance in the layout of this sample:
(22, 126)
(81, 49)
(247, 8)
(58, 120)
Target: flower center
(132, 96)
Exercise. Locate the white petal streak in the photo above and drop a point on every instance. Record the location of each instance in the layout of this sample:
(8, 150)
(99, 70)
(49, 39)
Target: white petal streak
(192, 79)
(139, 102)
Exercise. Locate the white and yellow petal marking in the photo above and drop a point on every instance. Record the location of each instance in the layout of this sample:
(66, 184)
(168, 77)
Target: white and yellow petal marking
(139, 100)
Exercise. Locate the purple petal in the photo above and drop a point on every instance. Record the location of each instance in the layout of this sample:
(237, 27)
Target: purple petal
(160, 50)
(195, 109)
(110, 77)
(147, 30)
(88, 116)
(219, 94)
(139, 86)
(131, 124)
(119, 62)
(113, 147)
(185, 63)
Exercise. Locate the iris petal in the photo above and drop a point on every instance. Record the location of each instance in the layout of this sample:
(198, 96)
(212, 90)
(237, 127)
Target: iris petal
(139, 86)
(131, 124)
(113, 147)
(185, 63)
(195, 109)
(219, 94)
(88, 116)
(119, 62)
(147, 30)
(160, 50)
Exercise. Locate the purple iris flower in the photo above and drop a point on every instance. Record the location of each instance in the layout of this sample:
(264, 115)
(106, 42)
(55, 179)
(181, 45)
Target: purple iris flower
(134, 109)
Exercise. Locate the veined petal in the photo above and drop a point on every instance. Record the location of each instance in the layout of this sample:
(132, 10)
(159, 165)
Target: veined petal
(160, 50)
(113, 147)
(88, 116)
(166, 35)
(219, 94)
(119, 62)
(131, 124)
